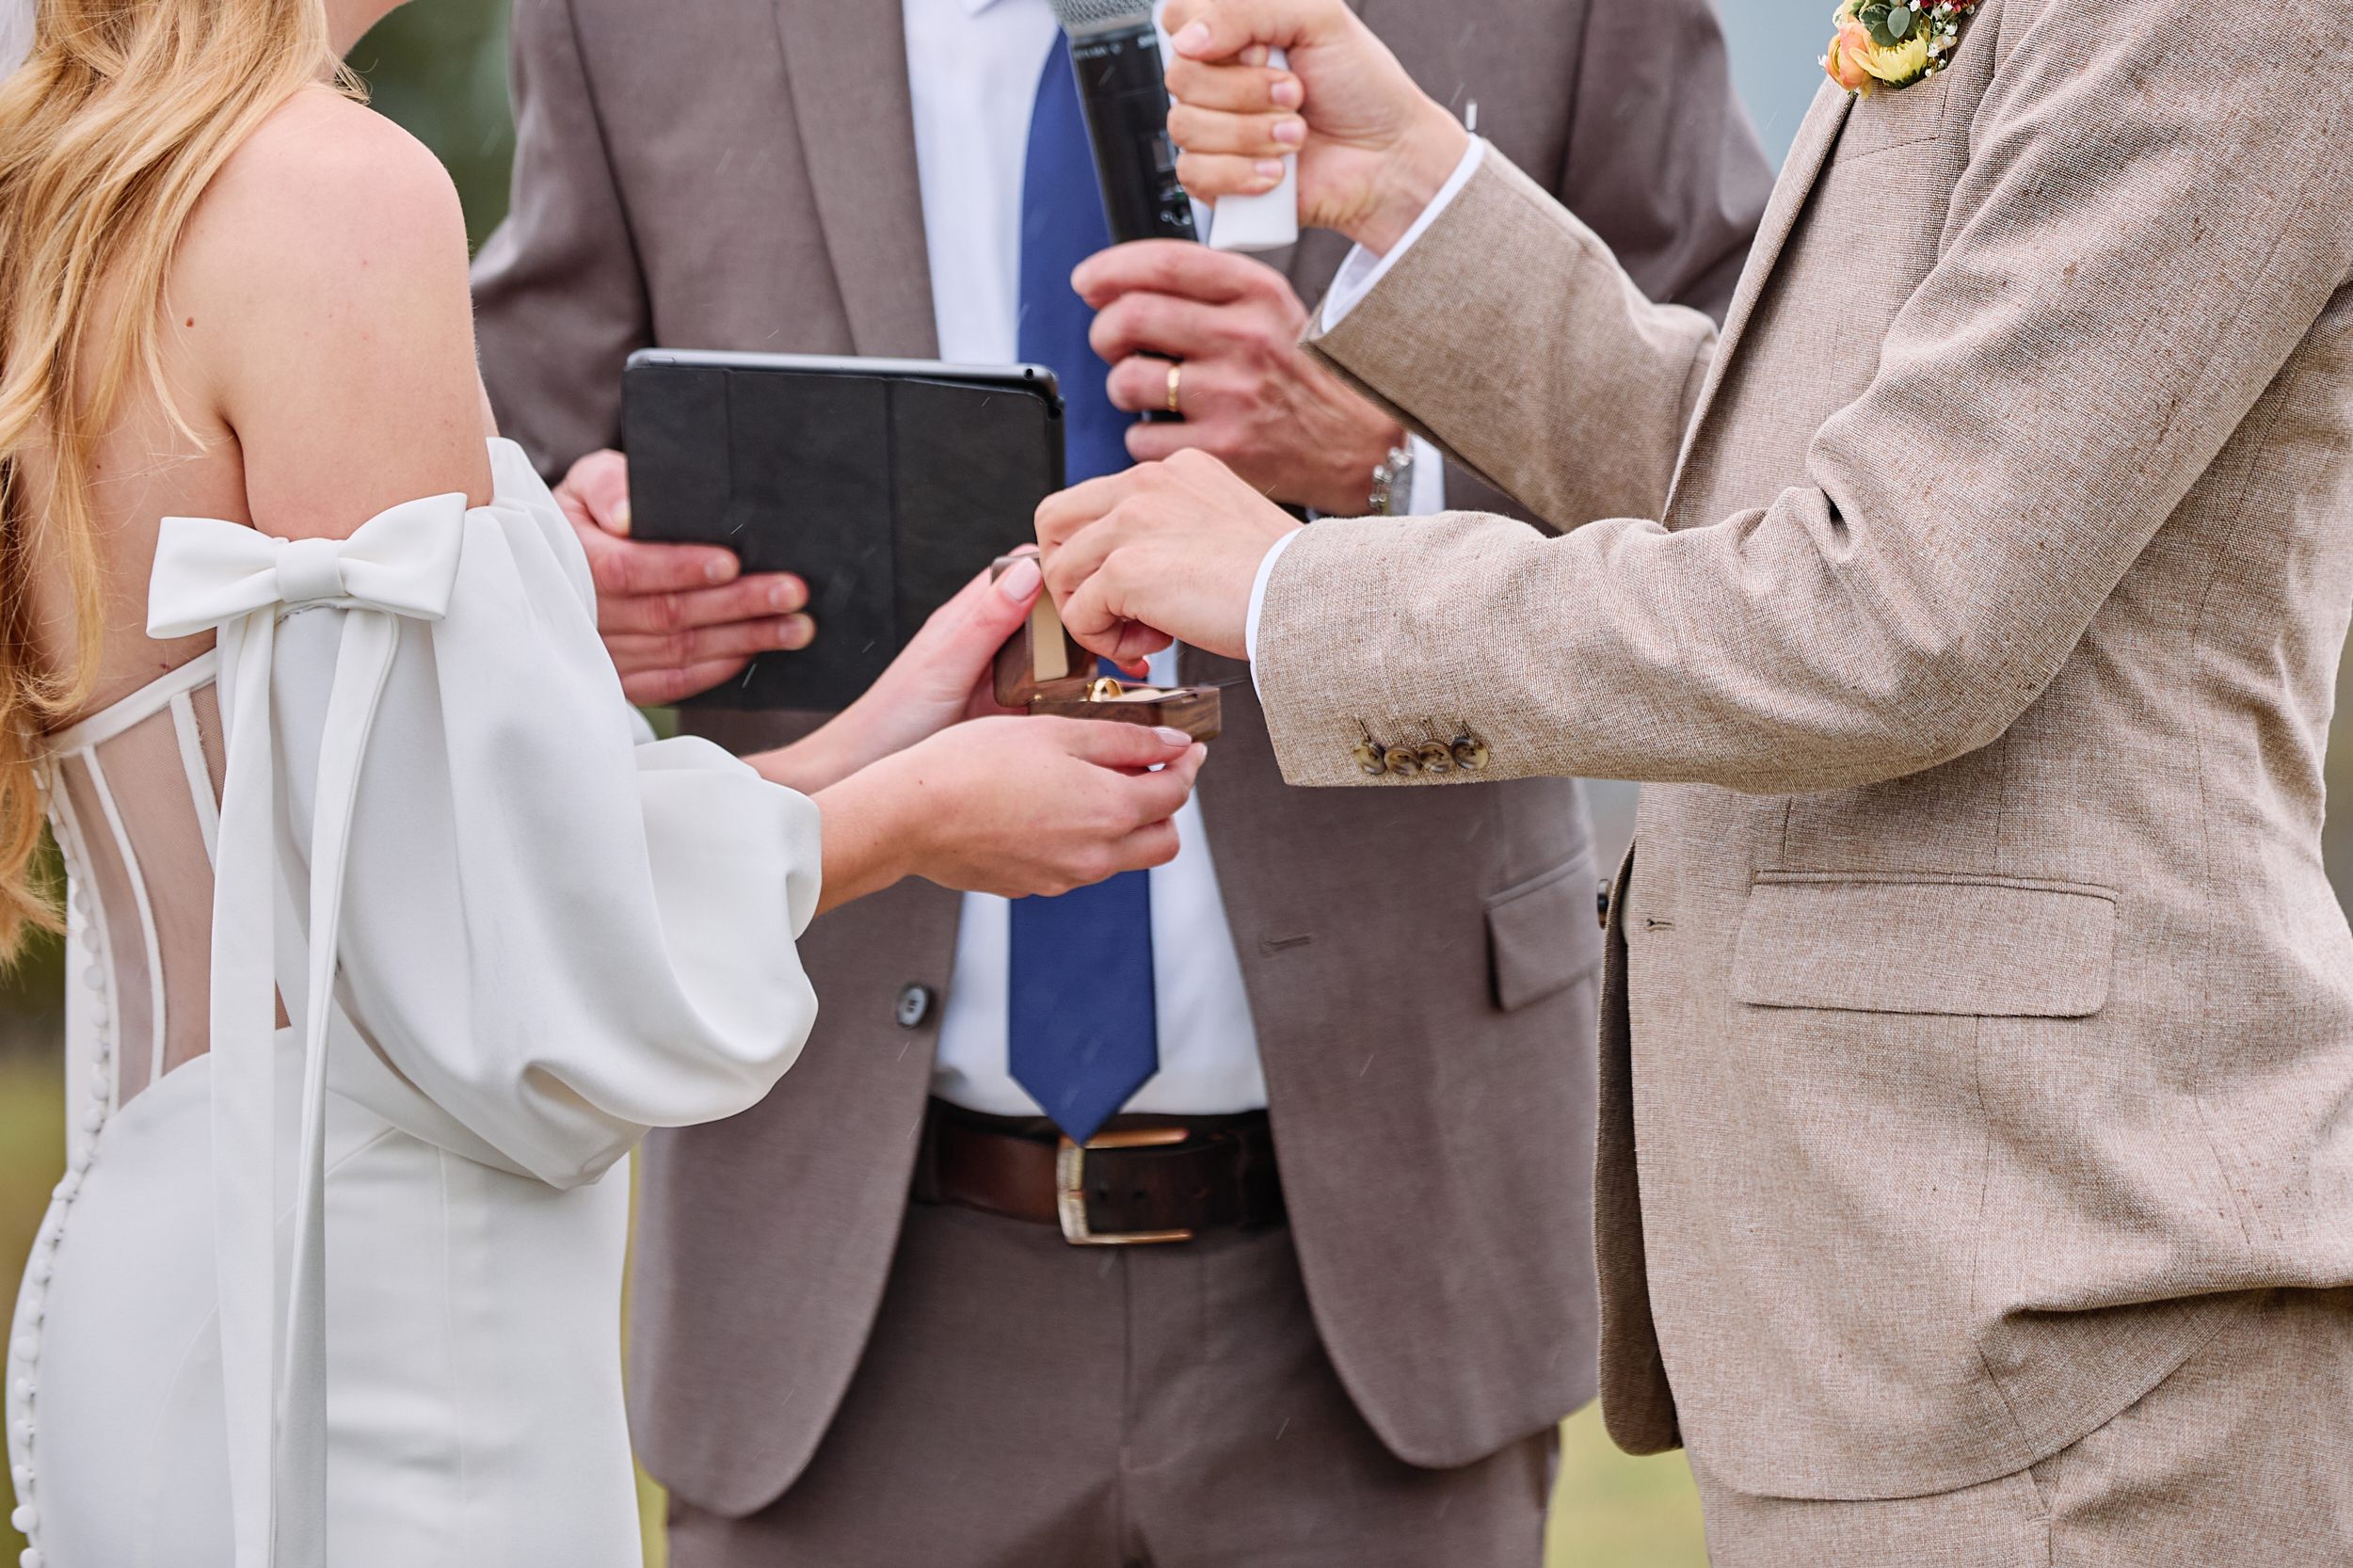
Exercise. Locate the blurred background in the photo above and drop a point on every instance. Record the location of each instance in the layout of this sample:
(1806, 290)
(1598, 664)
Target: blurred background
(438, 67)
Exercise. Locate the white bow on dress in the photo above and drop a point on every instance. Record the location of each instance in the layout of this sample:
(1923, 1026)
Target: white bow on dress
(220, 575)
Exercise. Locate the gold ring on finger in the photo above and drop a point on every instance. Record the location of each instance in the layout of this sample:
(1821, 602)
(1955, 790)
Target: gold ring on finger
(1175, 372)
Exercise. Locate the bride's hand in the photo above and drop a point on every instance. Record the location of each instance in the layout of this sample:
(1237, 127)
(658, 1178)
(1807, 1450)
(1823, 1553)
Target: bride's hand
(943, 675)
(1013, 807)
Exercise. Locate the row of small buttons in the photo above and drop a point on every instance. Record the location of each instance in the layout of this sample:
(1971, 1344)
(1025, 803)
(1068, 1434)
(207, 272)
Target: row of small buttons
(1405, 759)
(32, 1300)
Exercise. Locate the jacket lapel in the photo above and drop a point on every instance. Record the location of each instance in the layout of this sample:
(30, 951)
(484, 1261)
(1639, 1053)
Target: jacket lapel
(846, 62)
(1807, 154)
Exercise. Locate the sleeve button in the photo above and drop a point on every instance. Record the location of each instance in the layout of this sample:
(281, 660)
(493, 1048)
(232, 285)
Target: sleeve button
(915, 1005)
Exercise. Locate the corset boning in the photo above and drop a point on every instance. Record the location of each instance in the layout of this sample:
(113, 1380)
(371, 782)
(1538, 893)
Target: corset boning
(134, 799)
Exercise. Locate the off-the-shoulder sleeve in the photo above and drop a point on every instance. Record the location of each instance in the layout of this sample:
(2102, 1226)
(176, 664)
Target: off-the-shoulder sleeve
(558, 936)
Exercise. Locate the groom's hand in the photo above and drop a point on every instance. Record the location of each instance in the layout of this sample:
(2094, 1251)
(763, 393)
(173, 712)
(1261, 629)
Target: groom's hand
(1165, 550)
(677, 618)
(1250, 395)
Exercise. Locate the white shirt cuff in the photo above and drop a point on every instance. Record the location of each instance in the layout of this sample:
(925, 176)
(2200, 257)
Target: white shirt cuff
(1363, 269)
(1257, 598)
(1429, 498)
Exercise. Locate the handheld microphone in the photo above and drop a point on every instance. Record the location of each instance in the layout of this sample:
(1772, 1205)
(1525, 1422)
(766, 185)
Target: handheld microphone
(1115, 52)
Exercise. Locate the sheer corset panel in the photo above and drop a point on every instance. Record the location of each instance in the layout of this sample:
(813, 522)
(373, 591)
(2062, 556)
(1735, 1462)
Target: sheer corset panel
(134, 802)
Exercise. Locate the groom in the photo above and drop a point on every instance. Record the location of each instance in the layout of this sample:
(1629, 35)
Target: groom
(1976, 1183)
(1370, 1018)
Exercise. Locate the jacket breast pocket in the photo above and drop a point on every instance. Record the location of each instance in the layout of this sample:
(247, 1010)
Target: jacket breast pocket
(1990, 946)
(1541, 934)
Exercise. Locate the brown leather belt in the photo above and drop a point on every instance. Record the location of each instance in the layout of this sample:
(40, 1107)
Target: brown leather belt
(1141, 1179)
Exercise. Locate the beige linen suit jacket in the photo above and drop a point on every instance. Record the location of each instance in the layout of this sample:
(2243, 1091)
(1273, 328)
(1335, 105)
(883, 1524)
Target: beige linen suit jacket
(1422, 969)
(1979, 1030)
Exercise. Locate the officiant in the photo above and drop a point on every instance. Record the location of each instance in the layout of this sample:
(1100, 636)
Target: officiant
(1353, 1036)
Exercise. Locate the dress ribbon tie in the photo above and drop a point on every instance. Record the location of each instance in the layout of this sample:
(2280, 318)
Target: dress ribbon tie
(210, 574)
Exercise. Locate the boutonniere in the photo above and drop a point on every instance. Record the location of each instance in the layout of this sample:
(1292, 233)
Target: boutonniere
(1892, 43)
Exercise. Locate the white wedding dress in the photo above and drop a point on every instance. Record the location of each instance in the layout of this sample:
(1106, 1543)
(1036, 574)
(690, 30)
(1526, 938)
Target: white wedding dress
(349, 1290)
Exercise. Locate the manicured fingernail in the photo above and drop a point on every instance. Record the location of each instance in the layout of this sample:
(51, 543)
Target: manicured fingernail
(1269, 169)
(719, 568)
(621, 518)
(1285, 93)
(784, 596)
(1192, 39)
(1021, 579)
(1171, 737)
(1290, 132)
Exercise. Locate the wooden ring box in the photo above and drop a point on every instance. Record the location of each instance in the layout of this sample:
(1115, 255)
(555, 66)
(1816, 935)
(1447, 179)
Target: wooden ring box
(1042, 669)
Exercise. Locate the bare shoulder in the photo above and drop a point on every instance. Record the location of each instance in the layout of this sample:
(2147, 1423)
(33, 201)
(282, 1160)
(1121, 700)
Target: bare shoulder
(323, 190)
(320, 295)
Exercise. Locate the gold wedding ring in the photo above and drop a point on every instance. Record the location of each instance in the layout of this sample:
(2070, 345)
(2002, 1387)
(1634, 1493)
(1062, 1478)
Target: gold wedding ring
(1175, 370)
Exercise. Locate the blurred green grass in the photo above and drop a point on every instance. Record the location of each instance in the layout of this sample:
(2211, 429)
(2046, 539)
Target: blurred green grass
(1611, 1510)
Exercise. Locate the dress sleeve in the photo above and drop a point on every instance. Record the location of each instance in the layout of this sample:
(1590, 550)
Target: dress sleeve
(558, 936)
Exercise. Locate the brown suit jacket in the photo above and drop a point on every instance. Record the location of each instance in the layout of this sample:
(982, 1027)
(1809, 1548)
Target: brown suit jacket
(1981, 1020)
(740, 175)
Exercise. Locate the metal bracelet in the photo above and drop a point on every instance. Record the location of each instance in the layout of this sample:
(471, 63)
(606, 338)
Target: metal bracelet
(1393, 484)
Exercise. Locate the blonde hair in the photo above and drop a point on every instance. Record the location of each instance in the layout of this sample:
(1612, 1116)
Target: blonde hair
(110, 133)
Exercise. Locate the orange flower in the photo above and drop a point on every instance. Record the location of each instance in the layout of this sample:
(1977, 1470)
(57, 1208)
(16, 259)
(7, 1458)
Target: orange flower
(1848, 52)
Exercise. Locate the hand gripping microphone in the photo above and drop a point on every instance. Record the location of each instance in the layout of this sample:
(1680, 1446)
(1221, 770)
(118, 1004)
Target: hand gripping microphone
(1115, 51)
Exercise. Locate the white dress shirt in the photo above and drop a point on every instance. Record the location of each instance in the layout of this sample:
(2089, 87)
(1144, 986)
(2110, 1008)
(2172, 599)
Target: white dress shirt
(972, 70)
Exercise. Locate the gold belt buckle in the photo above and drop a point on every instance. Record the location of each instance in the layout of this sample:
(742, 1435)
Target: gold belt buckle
(1070, 1187)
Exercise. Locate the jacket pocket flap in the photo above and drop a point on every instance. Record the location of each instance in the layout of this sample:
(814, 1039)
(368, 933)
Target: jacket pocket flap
(1985, 946)
(1542, 936)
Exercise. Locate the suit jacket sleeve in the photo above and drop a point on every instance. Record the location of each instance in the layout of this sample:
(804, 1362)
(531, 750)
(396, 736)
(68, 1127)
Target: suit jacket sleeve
(559, 301)
(1584, 414)
(2078, 354)
(1656, 157)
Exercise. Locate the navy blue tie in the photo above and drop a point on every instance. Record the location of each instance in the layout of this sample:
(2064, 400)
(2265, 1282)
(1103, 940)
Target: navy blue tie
(1079, 1023)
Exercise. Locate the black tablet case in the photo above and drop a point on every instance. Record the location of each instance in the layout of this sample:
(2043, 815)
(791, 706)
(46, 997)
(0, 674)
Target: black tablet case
(887, 490)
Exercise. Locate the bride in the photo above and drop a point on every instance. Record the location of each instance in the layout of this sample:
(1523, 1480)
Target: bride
(387, 938)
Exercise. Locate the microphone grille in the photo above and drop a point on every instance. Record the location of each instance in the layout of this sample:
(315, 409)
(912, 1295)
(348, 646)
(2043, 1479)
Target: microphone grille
(1096, 16)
